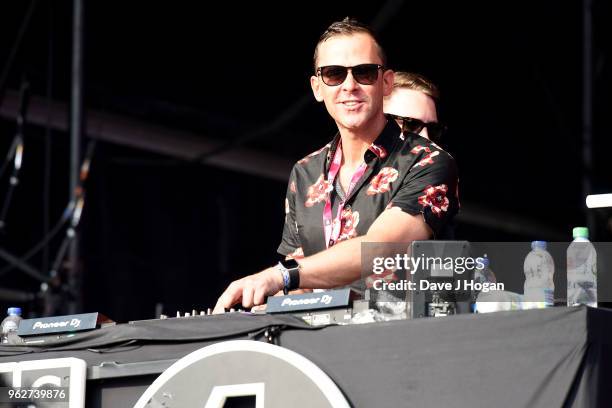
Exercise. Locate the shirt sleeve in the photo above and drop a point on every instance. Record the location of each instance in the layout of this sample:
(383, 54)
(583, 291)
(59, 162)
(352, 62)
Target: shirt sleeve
(430, 188)
(290, 245)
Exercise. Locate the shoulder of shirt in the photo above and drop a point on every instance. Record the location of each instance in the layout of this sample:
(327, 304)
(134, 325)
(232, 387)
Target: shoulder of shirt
(442, 151)
(427, 143)
(320, 152)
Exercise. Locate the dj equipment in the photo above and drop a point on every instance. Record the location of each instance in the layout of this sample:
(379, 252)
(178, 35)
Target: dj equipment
(440, 302)
(61, 324)
(316, 308)
(48, 330)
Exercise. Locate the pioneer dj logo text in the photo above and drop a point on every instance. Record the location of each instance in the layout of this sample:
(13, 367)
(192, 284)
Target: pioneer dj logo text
(325, 300)
(74, 323)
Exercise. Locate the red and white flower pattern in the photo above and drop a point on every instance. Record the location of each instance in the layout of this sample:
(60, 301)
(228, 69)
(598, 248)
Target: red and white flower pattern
(378, 150)
(433, 192)
(318, 191)
(349, 221)
(419, 148)
(381, 183)
(313, 154)
(435, 198)
(427, 159)
(297, 254)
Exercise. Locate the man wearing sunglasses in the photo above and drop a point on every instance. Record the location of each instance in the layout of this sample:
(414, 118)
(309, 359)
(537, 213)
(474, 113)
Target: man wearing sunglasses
(368, 184)
(412, 104)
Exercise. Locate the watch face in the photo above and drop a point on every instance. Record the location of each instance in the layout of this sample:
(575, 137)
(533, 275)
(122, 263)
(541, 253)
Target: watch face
(290, 264)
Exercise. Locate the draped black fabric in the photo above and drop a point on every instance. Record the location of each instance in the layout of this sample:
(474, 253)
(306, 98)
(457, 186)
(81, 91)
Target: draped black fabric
(540, 358)
(558, 357)
(145, 332)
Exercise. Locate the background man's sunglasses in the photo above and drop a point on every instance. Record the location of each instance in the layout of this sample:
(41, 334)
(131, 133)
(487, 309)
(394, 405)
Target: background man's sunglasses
(334, 75)
(411, 125)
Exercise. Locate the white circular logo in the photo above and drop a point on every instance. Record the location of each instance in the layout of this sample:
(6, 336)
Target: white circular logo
(270, 375)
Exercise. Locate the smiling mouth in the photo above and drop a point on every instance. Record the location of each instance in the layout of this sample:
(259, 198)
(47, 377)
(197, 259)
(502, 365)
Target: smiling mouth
(351, 103)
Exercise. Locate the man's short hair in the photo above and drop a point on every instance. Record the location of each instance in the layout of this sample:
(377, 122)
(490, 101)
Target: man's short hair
(416, 82)
(348, 26)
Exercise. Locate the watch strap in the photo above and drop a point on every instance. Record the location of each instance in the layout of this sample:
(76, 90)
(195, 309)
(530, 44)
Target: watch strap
(290, 271)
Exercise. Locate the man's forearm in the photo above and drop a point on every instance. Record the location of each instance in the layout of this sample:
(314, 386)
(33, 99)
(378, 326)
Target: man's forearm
(341, 264)
(336, 266)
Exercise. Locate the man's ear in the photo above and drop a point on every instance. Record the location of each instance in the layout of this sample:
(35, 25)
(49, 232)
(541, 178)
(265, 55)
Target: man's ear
(315, 84)
(388, 82)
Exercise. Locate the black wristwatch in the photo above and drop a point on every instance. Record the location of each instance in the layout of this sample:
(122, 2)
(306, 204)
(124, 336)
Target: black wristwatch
(290, 270)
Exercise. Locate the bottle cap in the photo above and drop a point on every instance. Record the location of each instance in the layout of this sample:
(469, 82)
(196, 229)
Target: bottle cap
(538, 245)
(12, 311)
(580, 232)
(484, 260)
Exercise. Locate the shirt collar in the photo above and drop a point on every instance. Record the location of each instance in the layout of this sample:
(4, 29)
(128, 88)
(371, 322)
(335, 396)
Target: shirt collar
(380, 148)
(385, 142)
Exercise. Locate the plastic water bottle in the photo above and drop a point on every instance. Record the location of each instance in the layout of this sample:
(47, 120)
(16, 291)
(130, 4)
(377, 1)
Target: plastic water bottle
(485, 274)
(482, 275)
(10, 322)
(581, 270)
(539, 269)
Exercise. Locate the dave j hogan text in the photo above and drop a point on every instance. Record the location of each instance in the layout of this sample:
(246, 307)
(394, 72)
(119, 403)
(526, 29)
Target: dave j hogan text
(424, 284)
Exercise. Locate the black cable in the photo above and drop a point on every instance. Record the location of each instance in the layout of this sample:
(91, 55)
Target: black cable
(9, 155)
(70, 235)
(16, 149)
(26, 268)
(47, 153)
(34, 250)
(9, 65)
(17, 152)
(9, 196)
(61, 253)
(11, 59)
(72, 212)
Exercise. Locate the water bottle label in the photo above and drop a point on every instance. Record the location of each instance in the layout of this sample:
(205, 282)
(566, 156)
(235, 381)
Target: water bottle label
(580, 269)
(581, 274)
(582, 293)
(549, 297)
(9, 326)
(538, 297)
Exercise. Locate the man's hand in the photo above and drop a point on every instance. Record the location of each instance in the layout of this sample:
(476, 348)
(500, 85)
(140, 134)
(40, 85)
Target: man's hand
(252, 290)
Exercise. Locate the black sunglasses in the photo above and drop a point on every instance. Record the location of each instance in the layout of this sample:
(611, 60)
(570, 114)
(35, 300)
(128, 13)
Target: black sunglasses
(411, 125)
(334, 75)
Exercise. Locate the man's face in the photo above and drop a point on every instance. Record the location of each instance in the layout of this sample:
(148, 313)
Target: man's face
(413, 104)
(353, 106)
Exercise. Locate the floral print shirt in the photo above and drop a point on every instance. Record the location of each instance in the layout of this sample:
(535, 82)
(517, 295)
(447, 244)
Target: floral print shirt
(404, 171)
